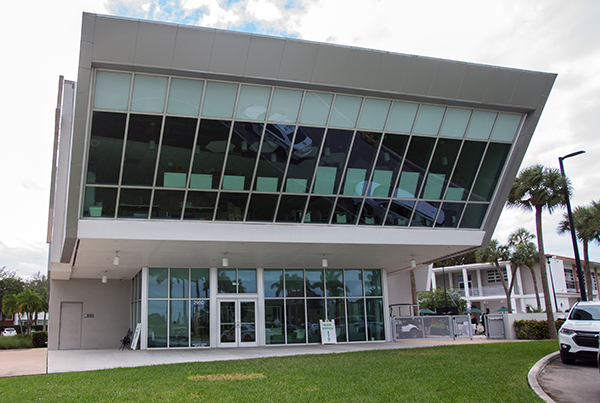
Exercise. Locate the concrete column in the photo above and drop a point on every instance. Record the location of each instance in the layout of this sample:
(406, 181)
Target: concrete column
(479, 283)
(466, 283)
(144, 310)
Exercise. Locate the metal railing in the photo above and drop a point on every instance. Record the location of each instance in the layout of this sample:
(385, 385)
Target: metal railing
(425, 327)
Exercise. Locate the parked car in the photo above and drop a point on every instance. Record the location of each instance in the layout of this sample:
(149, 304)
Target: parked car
(578, 336)
(9, 331)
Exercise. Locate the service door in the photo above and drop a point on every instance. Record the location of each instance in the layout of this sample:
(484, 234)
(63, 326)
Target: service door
(71, 314)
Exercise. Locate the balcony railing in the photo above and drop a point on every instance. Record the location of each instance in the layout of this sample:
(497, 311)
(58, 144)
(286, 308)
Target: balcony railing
(489, 291)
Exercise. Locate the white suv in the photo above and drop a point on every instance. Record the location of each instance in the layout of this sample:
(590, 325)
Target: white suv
(578, 336)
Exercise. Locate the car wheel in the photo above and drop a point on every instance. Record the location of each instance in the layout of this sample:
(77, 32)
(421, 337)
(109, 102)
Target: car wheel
(414, 333)
(566, 359)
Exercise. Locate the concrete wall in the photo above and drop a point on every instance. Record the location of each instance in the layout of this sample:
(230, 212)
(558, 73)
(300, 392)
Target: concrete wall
(109, 303)
(399, 292)
(509, 320)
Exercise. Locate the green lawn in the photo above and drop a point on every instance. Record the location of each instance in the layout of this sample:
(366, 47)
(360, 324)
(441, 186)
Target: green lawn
(462, 373)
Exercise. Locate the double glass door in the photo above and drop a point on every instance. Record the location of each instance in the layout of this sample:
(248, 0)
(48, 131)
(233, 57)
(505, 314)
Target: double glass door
(237, 322)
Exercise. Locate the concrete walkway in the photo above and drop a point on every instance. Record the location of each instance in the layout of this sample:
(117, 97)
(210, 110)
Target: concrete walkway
(23, 362)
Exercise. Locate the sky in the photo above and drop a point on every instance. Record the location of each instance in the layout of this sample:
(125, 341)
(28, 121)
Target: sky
(40, 42)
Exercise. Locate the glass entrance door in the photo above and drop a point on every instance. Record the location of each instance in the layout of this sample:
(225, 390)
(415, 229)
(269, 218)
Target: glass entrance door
(237, 322)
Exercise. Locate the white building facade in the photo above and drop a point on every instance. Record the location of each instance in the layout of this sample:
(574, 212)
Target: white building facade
(224, 189)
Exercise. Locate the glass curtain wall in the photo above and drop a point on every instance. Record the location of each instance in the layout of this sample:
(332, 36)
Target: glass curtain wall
(296, 299)
(173, 148)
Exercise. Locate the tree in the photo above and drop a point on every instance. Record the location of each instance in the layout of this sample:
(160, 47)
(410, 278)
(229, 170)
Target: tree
(466, 258)
(44, 305)
(525, 254)
(10, 306)
(437, 297)
(587, 228)
(495, 253)
(538, 188)
(9, 285)
(30, 303)
(37, 282)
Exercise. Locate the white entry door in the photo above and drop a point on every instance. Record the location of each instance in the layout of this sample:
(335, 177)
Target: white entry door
(237, 322)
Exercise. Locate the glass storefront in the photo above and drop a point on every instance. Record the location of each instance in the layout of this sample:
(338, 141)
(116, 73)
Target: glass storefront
(258, 306)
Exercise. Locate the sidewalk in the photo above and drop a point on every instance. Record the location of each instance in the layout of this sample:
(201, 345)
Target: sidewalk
(23, 362)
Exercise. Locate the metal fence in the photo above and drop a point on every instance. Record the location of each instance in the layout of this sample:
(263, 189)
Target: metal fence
(424, 327)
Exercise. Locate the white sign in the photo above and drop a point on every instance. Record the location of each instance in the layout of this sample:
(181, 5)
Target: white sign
(328, 335)
(136, 336)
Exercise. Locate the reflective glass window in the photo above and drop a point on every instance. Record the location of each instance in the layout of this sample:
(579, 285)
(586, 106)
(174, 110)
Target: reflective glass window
(262, 207)
(400, 212)
(277, 143)
(285, 105)
(315, 311)
(273, 279)
(388, 165)
(99, 202)
(473, 216)
(232, 206)
(413, 170)
(315, 109)
(318, 210)
(179, 325)
(219, 99)
(506, 127)
(314, 283)
(141, 150)
(481, 125)
(334, 282)
(333, 158)
(490, 171)
(345, 111)
(241, 158)
(185, 96)
(200, 283)
(440, 168)
(246, 281)
(149, 93)
(455, 122)
(304, 159)
(112, 90)
(336, 310)
(465, 171)
(200, 205)
(294, 283)
(374, 114)
(291, 209)
(227, 281)
(449, 215)
(346, 210)
(373, 283)
(176, 152)
(180, 283)
(167, 204)
(157, 323)
(295, 321)
(106, 147)
(354, 283)
(200, 321)
(134, 203)
(158, 284)
(360, 163)
(429, 120)
(402, 117)
(209, 154)
(425, 214)
(356, 319)
(253, 102)
(274, 319)
(374, 211)
(375, 319)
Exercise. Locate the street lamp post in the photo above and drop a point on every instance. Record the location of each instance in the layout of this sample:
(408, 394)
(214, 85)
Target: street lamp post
(572, 226)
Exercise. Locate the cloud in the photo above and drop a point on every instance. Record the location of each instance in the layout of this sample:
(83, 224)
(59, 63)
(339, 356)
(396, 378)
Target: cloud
(26, 259)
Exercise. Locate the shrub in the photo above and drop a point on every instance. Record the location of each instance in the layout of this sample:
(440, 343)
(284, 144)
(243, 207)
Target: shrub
(39, 339)
(534, 329)
(15, 342)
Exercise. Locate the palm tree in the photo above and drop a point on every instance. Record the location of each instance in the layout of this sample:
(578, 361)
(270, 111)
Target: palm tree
(587, 229)
(10, 306)
(495, 253)
(525, 254)
(538, 188)
(44, 305)
(30, 303)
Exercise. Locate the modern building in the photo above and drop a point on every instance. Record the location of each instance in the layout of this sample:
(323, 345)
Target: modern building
(483, 289)
(225, 189)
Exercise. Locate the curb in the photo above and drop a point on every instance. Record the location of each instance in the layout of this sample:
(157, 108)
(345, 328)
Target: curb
(535, 371)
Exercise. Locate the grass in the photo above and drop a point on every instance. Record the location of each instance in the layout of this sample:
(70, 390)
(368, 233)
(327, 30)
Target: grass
(463, 373)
